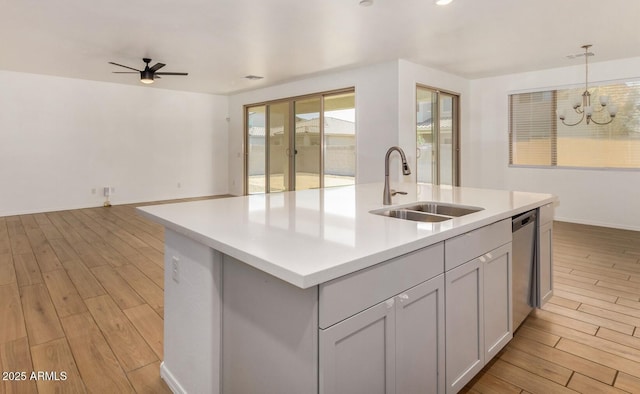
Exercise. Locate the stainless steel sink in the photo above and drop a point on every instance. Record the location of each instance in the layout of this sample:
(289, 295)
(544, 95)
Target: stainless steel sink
(416, 216)
(427, 211)
(443, 209)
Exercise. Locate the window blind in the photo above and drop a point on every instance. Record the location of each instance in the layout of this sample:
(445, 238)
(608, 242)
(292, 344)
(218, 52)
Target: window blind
(539, 138)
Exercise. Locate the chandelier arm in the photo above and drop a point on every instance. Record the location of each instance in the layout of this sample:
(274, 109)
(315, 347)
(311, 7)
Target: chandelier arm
(573, 124)
(601, 124)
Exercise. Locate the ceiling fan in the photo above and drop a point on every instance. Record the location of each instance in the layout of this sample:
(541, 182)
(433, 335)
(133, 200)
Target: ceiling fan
(149, 73)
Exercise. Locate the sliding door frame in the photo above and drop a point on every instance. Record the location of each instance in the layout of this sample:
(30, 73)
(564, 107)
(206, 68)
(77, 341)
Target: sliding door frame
(455, 132)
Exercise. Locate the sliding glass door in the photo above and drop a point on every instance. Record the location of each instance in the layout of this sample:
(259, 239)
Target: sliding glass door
(301, 143)
(437, 137)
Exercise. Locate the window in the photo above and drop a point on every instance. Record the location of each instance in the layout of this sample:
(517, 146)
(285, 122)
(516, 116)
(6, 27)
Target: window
(538, 138)
(301, 143)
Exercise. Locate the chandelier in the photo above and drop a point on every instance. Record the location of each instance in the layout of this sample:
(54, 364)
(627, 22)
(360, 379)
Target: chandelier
(582, 106)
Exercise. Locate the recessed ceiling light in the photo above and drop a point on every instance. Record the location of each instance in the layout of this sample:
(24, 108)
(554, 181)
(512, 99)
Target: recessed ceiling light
(366, 3)
(443, 2)
(253, 77)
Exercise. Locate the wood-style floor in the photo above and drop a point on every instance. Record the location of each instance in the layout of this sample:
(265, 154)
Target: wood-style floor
(81, 293)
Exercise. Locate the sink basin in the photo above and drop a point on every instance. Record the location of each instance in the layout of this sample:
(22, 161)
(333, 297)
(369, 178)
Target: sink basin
(443, 209)
(416, 216)
(427, 211)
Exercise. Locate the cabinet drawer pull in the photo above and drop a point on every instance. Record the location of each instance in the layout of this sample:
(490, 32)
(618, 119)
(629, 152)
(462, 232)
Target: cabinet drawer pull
(389, 303)
(403, 297)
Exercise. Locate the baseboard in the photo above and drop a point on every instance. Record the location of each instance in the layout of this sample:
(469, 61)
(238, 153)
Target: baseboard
(599, 224)
(170, 380)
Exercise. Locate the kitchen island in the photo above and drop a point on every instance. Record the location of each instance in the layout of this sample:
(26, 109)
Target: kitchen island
(308, 291)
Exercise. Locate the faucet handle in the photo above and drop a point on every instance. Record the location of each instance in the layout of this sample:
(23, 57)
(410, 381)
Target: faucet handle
(393, 192)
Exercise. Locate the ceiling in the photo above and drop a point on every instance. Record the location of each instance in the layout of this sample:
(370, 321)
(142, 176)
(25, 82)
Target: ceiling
(220, 41)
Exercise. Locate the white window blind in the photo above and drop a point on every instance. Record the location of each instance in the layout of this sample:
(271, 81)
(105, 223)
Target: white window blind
(539, 138)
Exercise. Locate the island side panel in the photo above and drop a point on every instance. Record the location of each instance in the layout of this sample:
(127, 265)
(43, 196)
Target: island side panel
(192, 316)
(270, 333)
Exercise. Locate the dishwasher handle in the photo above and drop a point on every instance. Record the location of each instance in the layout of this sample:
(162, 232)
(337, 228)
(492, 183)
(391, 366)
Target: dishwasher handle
(522, 220)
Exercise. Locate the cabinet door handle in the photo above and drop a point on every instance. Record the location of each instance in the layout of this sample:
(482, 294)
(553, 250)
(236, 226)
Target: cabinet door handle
(389, 303)
(403, 297)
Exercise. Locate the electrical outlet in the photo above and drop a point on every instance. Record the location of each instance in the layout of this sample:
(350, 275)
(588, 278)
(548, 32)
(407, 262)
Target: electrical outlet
(93, 190)
(113, 190)
(175, 269)
(179, 185)
(106, 191)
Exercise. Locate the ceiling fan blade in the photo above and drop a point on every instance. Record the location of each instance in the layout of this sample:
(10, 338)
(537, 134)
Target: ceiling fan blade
(168, 73)
(157, 66)
(125, 72)
(120, 65)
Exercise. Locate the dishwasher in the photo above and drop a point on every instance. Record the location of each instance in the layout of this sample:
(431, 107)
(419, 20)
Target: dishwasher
(524, 262)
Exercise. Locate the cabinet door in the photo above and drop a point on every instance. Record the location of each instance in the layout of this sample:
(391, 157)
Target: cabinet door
(464, 328)
(420, 338)
(357, 355)
(545, 263)
(498, 320)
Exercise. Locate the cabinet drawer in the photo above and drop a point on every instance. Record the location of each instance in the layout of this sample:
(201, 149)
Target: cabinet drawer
(468, 246)
(350, 294)
(546, 214)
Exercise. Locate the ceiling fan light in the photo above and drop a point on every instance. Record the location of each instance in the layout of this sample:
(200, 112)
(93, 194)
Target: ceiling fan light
(443, 2)
(146, 77)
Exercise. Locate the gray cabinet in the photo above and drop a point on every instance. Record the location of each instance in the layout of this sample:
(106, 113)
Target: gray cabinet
(396, 346)
(545, 254)
(357, 355)
(464, 328)
(478, 302)
(420, 339)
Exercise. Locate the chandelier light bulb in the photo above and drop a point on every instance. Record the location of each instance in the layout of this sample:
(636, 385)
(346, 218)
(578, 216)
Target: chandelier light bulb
(613, 110)
(604, 100)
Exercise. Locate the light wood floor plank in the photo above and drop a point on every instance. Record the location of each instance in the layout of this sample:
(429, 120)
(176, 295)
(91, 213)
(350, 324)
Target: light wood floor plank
(11, 316)
(149, 291)
(27, 269)
(537, 366)
(584, 384)
(98, 366)
(56, 357)
(628, 383)
(86, 284)
(39, 314)
(7, 272)
(125, 341)
(542, 337)
(149, 325)
(586, 367)
(605, 358)
(123, 294)
(16, 357)
(526, 380)
(64, 295)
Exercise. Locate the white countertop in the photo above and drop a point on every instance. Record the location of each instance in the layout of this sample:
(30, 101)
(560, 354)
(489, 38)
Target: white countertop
(312, 236)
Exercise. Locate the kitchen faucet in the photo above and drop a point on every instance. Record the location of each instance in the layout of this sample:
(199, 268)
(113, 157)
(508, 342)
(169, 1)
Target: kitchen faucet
(386, 196)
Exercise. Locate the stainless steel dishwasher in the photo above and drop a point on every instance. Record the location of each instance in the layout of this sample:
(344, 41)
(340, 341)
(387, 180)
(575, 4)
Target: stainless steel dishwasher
(524, 273)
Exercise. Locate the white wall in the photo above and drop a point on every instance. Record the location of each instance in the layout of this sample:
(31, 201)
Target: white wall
(606, 197)
(60, 138)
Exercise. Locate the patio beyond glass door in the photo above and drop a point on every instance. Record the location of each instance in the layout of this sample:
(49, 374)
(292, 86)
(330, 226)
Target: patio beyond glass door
(279, 146)
(300, 143)
(306, 141)
(437, 137)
